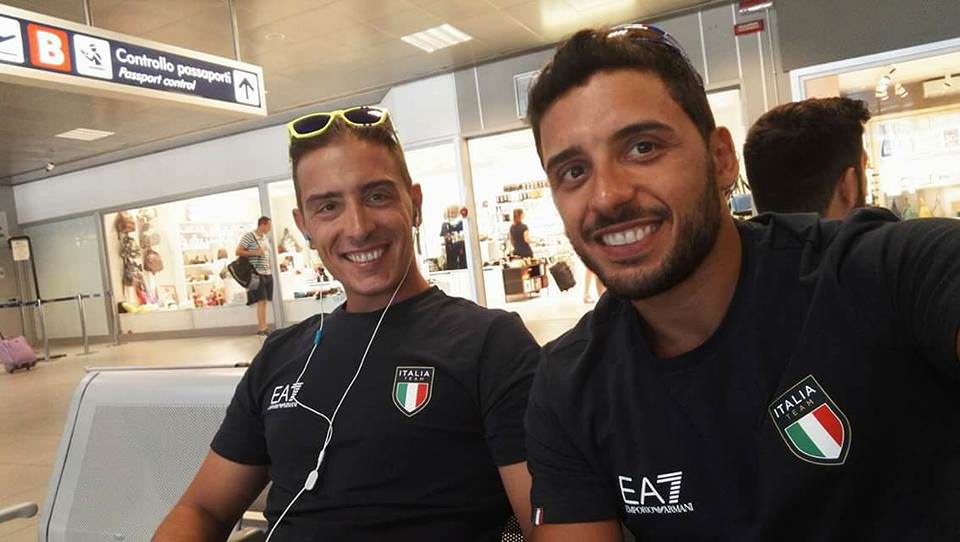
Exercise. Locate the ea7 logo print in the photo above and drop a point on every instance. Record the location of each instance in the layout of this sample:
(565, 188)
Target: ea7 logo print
(412, 389)
(284, 396)
(811, 424)
(646, 497)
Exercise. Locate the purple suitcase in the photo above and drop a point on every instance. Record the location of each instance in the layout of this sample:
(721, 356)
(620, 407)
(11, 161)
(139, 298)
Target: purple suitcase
(16, 353)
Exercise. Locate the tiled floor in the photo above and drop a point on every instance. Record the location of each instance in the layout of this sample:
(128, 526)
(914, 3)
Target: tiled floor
(33, 405)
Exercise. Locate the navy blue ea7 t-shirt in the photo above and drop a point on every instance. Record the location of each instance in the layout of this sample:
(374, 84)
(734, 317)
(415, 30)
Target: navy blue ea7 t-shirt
(826, 406)
(437, 408)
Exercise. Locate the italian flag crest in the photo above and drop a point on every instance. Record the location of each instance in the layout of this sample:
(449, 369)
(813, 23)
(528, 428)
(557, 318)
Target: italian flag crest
(811, 424)
(412, 389)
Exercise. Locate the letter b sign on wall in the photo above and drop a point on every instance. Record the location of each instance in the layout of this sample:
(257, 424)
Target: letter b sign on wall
(49, 47)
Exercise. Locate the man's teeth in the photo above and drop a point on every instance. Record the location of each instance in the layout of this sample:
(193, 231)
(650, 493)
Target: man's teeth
(364, 257)
(628, 237)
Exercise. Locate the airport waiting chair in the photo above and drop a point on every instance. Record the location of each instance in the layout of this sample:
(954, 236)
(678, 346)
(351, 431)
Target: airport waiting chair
(133, 441)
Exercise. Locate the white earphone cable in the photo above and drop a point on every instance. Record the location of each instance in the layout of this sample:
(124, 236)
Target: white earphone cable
(313, 475)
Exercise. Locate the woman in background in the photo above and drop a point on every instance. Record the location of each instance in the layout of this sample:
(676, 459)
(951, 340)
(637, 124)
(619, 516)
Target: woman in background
(520, 236)
(452, 232)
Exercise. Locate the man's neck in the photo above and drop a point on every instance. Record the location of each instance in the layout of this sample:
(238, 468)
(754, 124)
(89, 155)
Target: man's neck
(683, 318)
(413, 285)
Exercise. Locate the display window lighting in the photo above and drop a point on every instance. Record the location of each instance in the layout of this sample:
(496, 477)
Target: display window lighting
(886, 80)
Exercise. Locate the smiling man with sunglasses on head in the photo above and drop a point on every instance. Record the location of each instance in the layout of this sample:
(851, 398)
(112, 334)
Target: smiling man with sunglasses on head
(397, 417)
(780, 379)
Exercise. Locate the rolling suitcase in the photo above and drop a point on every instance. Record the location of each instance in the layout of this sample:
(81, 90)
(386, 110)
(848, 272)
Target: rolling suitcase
(563, 275)
(16, 353)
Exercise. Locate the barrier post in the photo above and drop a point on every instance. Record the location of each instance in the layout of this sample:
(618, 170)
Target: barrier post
(43, 330)
(83, 325)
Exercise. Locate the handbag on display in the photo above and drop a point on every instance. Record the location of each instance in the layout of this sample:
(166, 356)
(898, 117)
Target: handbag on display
(152, 261)
(148, 240)
(125, 223)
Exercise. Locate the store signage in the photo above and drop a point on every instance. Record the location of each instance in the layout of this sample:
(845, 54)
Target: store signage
(40, 50)
(749, 27)
(20, 246)
(749, 6)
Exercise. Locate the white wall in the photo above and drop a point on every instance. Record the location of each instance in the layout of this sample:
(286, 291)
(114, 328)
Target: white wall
(67, 256)
(208, 165)
(424, 110)
(9, 318)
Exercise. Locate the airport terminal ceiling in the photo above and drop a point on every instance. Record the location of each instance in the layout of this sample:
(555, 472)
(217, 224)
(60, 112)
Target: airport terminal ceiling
(311, 51)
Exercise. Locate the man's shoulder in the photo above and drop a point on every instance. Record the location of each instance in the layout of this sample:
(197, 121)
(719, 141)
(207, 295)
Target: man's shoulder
(451, 309)
(795, 230)
(294, 336)
(566, 353)
(814, 240)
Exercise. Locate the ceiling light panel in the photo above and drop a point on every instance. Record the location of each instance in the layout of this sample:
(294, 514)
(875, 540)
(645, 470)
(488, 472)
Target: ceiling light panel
(85, 134)
(438, 37)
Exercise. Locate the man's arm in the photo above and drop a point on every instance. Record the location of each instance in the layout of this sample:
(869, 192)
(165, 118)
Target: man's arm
(246, 246)
(516, 482)
(247, 253)
(911, 272)
(219, 494)
(595, 531)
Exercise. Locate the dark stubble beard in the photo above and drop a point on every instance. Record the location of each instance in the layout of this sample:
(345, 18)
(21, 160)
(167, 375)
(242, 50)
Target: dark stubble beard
(697, 232)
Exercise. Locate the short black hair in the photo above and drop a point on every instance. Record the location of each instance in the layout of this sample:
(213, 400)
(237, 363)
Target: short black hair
(591, 51)
(263, 220)
(796, 153)
(382, 134)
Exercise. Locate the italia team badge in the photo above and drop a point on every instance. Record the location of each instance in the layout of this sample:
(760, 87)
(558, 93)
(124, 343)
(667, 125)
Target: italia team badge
(412, 389)
(811, 424)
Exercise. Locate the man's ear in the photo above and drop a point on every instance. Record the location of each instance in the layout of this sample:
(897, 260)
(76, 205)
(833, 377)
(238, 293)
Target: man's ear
(416, 197)
(846, 195)
(724, 155)
(298, 219)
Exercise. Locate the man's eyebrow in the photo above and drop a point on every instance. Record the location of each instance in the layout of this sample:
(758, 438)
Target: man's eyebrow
(565, 154)
(379, 183)
(639, 128)
(314, 198)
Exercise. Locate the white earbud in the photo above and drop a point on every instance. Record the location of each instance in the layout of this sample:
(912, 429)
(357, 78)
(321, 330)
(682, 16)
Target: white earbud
(312, 478)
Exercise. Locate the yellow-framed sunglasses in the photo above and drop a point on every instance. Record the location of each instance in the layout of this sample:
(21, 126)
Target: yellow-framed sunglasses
(315, 124)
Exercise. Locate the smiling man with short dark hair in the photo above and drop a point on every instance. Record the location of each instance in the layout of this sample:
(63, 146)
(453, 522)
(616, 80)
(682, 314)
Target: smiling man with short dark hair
(397, 417)
(779, 379)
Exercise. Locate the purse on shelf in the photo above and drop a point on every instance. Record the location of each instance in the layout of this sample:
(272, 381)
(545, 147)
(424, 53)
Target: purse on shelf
(125, 222)
(152, 261)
